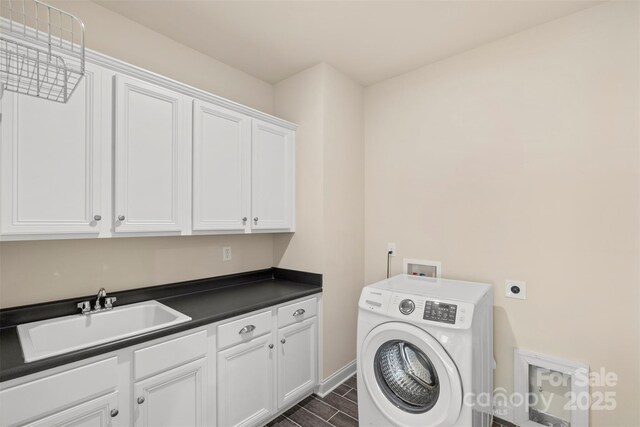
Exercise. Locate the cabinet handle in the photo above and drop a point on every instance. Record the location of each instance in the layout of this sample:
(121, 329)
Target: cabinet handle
(114, 413)
(97, 217)
(270, 345)
(140, 400)
(121, 218)
(247, 329)
(298, 312)
(244, 220)
(255, 220)
(283, 341)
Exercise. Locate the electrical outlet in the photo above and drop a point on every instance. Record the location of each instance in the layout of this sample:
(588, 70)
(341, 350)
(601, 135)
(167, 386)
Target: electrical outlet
(515, 289)
(226, 253)
(391, 247)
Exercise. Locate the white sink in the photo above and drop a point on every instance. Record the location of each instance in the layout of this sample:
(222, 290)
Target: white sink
(61, 335)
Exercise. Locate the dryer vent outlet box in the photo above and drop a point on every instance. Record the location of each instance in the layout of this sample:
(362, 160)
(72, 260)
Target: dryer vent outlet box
(425, 268)
(556, 391)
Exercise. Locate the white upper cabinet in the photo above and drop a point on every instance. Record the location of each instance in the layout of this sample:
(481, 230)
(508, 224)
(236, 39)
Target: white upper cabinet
(141, 156)
(272, 177)
(151, 132)
(50, 162)
(221, 168)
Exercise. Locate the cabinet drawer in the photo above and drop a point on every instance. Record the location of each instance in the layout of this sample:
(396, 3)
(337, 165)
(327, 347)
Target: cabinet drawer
(28, 401)
(169, 354)
(297, 312)
(96, 412)
(244, 329)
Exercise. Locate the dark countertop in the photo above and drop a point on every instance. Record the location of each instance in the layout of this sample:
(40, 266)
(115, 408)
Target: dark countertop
(205, 301)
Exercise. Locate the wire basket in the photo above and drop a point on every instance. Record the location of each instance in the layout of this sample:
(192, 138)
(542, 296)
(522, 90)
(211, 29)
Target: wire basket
(42, 50)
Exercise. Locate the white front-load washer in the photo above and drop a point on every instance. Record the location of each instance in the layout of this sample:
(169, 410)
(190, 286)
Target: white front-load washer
(425, 353)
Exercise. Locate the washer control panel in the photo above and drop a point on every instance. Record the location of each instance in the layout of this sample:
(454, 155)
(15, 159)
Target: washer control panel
(417, 308)
(440, 312)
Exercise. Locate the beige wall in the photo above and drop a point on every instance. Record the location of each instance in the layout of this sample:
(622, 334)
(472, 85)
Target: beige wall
(50, 270)
(300, 99)
(343, 218)
(329, 238)
(520, 160)
(32, 272)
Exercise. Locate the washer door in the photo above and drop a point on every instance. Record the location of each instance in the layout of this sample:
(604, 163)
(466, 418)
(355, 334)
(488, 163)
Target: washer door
(410, 376)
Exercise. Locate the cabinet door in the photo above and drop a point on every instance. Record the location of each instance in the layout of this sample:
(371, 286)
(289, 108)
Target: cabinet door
(246, 383)
(174, 398)
(273, 175)
(297, 361)
(100, 412)
(150, 125)
(50, 162)
(221, 168)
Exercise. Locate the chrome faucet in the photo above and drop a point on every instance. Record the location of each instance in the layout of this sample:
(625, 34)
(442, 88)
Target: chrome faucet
(102, 293)
(85, 306)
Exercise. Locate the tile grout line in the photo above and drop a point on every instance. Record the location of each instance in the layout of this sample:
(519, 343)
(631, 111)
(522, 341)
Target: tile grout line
(317, 416)
(291, 420)
(330, 406)
(347, 415)
(331, 417)
(314, 397)
(346, 391)
(333, 407)
(345, 396)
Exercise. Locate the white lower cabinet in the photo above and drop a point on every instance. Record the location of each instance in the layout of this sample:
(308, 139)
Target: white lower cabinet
(245, 383)
(297, 361)
(265, 374)
(64, 397)
(100, 412)
(240, 372)
(173, 398)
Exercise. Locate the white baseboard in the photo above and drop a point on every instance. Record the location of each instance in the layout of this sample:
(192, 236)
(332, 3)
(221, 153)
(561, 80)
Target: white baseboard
(337, 378)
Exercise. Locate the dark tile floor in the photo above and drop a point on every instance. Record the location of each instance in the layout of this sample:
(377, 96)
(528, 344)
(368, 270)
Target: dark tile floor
(338, 409)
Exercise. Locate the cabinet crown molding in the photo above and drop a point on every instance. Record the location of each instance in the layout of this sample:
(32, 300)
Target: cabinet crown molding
(183, 88)
(97, 58)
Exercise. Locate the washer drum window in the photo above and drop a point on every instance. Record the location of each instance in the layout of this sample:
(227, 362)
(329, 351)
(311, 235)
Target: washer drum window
(406, 376)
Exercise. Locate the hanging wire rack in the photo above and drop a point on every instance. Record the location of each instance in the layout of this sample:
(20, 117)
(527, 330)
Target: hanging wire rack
(41, 50)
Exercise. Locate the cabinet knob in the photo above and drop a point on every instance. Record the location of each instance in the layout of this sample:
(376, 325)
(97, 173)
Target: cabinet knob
(255, 219)
(283, 341)
(97, 217)
(140, 400)
(244, 220)
(114, 413)
(270, 345)
(121, 218)
(298, 312)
